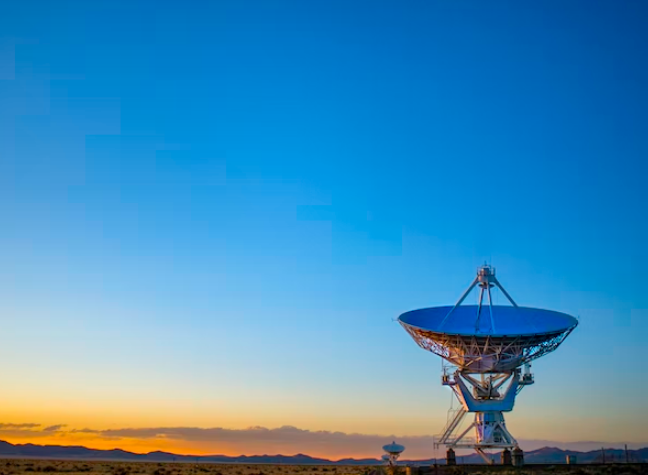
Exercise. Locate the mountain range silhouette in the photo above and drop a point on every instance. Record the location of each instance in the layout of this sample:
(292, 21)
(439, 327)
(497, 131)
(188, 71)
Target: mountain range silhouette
(543, 455)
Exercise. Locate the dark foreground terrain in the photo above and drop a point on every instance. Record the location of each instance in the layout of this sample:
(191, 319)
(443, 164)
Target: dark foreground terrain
(72, 467)
(543, 469)
(28, 467)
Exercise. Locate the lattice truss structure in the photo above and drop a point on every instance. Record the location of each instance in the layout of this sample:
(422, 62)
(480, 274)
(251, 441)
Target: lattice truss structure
(483, 353)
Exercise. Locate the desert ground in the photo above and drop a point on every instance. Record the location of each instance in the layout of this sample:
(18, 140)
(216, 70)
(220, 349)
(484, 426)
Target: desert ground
(28, 466)
(24, 466)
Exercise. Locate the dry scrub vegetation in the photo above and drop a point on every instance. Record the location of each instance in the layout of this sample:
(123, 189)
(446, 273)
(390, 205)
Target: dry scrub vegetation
(26, 467)
(20, 467)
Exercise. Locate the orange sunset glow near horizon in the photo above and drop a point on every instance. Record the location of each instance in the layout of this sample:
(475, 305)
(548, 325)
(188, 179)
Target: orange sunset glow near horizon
(285, 440)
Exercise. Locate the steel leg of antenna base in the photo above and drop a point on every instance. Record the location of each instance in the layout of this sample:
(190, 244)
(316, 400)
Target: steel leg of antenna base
(484, 455)
(491, 431)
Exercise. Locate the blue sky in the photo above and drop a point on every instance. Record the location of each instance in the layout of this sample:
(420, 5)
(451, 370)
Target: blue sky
(212, 212)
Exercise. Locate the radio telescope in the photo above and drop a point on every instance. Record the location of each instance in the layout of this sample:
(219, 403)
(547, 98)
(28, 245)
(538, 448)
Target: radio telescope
(486, 347)
(392, 452)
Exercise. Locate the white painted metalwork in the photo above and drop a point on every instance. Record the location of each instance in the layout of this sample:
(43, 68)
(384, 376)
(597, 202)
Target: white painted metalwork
(487, 353)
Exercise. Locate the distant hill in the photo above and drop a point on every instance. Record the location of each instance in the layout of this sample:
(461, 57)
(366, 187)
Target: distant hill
(556, 455)
(544, 455)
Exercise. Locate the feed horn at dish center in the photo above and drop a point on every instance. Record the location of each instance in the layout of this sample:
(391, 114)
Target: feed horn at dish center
(488, 350)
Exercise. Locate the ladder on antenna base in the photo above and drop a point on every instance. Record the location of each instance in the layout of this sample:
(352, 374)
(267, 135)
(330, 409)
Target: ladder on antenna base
(451, 426)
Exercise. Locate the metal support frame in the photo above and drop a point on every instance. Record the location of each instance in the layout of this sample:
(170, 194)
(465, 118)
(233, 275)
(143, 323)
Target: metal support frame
(489, 375)
(480, 394)
(482, 353)
(484, 455)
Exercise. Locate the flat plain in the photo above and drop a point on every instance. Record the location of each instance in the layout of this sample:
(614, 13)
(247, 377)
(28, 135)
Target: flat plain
(16, 466)
(28, 466)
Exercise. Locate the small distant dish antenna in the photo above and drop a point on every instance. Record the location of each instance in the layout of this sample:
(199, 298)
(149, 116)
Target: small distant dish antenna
(392, 452)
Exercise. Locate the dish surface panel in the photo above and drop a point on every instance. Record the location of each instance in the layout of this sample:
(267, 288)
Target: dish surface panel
(507, 320)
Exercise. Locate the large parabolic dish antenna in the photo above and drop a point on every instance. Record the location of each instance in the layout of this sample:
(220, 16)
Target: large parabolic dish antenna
(488, 339)
(487, 345)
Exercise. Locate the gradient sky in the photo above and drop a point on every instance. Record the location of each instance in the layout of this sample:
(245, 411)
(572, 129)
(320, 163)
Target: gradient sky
(212, 213)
